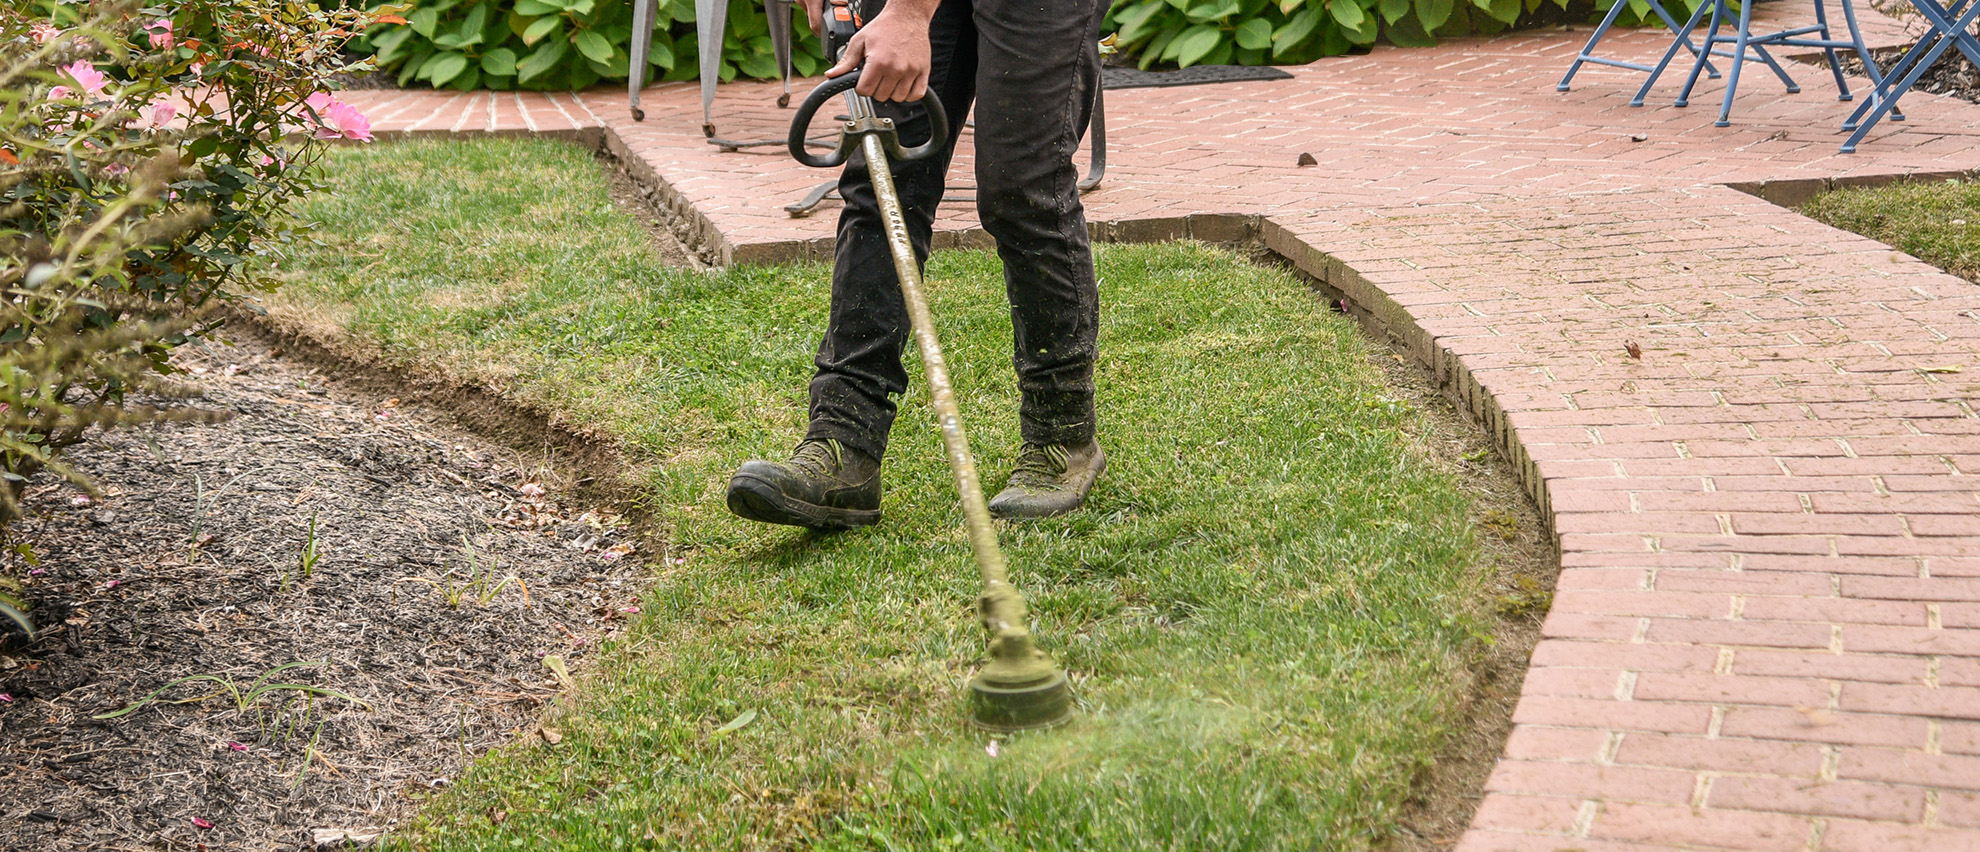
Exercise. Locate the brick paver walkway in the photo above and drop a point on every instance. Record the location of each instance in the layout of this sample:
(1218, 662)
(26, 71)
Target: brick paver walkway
(1767, 631)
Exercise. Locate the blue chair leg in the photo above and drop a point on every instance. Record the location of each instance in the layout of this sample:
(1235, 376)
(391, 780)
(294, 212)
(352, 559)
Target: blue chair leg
(1718, 8)
(1863, 53)
(1683, 38)
(1835, 65)
(1739, 58)
(1793, 88)
(1588, 49)
(1879, 106)
(1608, 21)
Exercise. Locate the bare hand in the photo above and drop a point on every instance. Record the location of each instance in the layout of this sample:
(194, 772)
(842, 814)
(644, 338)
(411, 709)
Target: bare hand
(814, 11)
(893, 49)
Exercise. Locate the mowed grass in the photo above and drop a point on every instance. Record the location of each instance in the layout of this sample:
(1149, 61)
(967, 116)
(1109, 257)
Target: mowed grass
(1935, 221)
(1266, 607)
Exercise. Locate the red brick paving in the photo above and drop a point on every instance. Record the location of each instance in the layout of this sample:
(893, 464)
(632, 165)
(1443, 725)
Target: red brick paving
(1767, 629)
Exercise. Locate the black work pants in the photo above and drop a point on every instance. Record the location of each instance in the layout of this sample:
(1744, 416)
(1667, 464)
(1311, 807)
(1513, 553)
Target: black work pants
(1031, 67)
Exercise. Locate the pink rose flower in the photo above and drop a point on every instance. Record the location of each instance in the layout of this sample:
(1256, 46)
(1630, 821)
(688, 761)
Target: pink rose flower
(43, 33)
(338, 120)
(161, 33)
(158, 114)
(59, 92)
(87, 77)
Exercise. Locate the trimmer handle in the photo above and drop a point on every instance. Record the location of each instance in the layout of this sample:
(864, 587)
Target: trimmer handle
(938, 126)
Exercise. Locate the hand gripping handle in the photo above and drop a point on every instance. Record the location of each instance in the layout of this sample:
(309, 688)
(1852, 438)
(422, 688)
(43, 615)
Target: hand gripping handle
(938, 125)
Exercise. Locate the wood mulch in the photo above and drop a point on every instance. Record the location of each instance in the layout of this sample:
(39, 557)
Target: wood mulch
(191, 565)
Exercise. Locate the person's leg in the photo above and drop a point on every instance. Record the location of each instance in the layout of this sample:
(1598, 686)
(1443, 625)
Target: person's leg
(833, 479)
(1036, 76)
(859, 360)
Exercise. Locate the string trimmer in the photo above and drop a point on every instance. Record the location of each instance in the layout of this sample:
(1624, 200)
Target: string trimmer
(1020, 687)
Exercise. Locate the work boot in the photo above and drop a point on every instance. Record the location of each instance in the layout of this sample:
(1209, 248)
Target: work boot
(824, 486)
(1050, 479)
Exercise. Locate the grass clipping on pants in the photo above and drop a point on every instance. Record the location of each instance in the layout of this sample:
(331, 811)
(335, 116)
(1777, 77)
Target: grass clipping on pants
(1266, 606)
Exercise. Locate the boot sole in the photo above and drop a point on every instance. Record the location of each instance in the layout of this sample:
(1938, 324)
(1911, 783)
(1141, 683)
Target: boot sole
(753, 499)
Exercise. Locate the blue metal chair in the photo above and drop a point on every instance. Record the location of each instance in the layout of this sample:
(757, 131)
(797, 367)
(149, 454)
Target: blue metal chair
(1587, 54)
(1743, 40)
(1946, 32)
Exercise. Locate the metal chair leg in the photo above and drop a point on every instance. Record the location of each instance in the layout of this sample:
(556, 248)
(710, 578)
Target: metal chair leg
(644, 11)
(1739, 58)
(1608, 21)
(779, 14)
(1711, 37)
(1683, 38)
(710, 18)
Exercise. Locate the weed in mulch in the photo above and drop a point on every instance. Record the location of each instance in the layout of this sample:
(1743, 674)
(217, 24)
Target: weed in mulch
(293, 624)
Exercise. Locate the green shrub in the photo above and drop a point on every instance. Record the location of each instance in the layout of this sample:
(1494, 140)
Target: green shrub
(568, 44)
(147, 159)
(1281, 32)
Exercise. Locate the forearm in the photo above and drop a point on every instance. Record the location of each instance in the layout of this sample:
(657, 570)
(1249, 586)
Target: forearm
(921, 10)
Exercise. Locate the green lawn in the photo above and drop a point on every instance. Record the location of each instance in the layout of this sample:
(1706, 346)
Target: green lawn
(1266, 608)
(1935, 221)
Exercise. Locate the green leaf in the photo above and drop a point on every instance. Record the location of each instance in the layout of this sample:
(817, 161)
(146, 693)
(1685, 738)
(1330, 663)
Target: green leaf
(544, 26)
(471, 27)
(1393, 10)
(411, 69)
(594, 46)
(1348, 15)
(500, 62)
(1505, 11)
(1296, 31)
(423, 21)
(536, 7)
(661, 53)
(1205, 11)
(1433, 13)
(1408, 32)
(1139, 22)
(544, 58)
(1195, 43)
(738, 723)
(1257, 33)
(443, 67)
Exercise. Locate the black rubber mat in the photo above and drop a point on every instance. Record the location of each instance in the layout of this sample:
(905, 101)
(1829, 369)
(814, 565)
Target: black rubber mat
(1195, 75)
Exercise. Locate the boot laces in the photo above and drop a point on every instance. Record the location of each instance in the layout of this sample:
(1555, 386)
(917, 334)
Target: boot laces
(821, 459)
(1041, 462)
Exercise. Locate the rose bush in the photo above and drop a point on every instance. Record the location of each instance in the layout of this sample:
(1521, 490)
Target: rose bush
(148, 158)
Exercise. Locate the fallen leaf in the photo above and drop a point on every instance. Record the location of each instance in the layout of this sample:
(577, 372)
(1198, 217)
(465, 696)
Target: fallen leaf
(1639, 137)
(1308, 160)
(550, 735)
(201, 824)
(8, 157)
(237, 746)
(1634, 350)
(991, 749)
(737, 724)
(556, 666)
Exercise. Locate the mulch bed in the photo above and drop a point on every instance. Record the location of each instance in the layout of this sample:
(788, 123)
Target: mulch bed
(191, 564)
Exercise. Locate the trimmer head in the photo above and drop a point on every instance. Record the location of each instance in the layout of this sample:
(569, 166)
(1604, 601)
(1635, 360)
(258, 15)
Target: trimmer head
(1004, 707)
